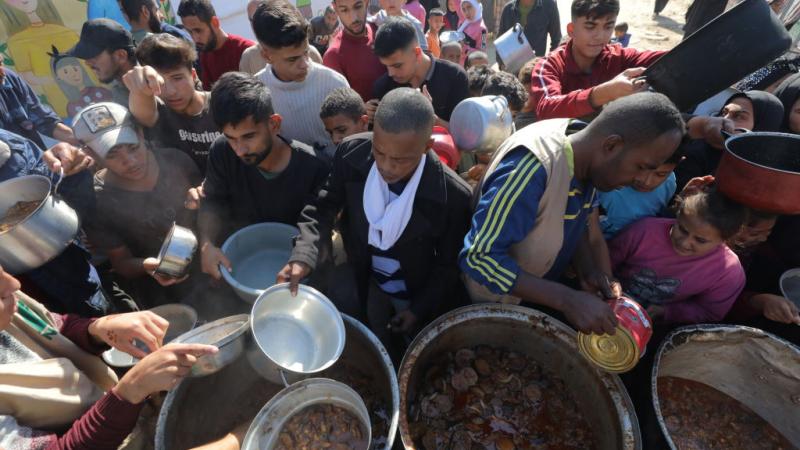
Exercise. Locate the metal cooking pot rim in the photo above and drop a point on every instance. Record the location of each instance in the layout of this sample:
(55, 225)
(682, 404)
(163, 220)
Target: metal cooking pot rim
(301, 288)
(754, 134)
(227, 274)
(244, 318)
(41, 202)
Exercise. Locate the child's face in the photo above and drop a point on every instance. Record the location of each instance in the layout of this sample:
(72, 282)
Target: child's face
(452, 5)
(693, 236)
(341, 126)
(452, 54)
(654, 179)
(436, 23)
(392, 7)
(753, 234)
(591, 35)
(619, 33)
(475, 62)
(740, 112)
(71, 74)
(468, 10)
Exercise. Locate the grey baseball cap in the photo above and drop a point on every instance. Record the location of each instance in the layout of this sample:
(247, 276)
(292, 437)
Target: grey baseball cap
(103, 126)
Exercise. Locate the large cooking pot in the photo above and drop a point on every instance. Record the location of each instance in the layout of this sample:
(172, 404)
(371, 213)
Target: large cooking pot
(601, 397)
(733, 45)
(756, 368)
(514, 48)
(200, 410)
(481, 124)
(41, 236)
(761, 170)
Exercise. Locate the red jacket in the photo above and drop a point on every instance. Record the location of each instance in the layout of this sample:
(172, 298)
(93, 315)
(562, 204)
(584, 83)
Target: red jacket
(559, 89)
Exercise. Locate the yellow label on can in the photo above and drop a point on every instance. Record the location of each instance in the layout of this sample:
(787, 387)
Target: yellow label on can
(618, 353)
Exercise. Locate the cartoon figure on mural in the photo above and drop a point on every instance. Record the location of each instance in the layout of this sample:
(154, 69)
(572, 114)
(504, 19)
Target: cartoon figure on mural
(75, 83)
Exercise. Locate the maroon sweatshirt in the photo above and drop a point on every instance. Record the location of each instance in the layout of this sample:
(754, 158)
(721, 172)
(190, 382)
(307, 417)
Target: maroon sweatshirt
(353, 57)
(560, 89)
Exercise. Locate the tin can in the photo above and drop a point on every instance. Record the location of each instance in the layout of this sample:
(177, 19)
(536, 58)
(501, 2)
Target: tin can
(619, 353)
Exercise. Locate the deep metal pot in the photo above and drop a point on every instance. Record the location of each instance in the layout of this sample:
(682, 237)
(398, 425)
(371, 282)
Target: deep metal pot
(514, 48)
(263, 432)
(758, 369)
(177, 252)
(481, 124)
(601, 397)
(44, 234)
(761, 170)
(230, 335)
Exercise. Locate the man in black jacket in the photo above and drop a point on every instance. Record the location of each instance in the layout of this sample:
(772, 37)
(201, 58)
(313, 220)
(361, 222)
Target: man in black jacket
(404, 218)
(538, 18)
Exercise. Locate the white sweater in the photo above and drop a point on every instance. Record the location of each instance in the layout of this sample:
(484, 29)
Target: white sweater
(299, 104)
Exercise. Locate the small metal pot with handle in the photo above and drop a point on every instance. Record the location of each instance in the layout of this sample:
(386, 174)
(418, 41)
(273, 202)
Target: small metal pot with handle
(514, 49)
(177, 252)
(481, 124)
(43, 234)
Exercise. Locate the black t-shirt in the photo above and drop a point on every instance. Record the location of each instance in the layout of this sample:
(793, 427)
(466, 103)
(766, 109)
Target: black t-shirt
(192, 135)
(241, 195)
(141, 220)
(446, 82)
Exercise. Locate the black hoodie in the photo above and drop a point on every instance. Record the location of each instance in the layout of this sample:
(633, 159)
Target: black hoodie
(542, 19)
(788, 92)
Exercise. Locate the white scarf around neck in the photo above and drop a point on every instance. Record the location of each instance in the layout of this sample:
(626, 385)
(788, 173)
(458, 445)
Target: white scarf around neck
(388, 216)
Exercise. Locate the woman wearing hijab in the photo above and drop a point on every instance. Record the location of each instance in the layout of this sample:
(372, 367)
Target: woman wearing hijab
(473, 27)
(789, 94)
(751, 110)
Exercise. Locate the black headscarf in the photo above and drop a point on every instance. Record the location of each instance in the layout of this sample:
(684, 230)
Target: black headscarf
(767, 110)
(788, 92)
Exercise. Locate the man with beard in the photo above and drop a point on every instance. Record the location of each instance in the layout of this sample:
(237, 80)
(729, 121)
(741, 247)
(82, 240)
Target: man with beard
(350, 49)
(108, 50)
(145, 18)
(220, 52)
(253, 174)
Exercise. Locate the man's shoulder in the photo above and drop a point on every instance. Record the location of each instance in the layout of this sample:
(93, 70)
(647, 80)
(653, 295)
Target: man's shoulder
(447, 69)
(242, 43)
(328, 74)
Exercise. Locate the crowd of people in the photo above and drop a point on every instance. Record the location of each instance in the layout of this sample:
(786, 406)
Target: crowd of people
(604, 188)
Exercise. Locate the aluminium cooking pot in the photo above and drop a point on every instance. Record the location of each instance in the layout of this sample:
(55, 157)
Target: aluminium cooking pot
(481, 124)
(514, 49)
(733, 45)
(761, 170)
(41, 236)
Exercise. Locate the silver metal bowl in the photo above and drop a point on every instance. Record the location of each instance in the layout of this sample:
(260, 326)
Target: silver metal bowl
(177, 252)
(228, 334)
(266, 427)
(451, 36)
(181, 318)
(257, 253)
(297, 336)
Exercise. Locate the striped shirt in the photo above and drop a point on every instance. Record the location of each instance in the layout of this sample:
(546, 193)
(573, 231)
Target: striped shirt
(506, 213)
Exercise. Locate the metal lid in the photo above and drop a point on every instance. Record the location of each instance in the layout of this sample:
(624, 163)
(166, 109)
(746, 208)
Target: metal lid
(618, 353)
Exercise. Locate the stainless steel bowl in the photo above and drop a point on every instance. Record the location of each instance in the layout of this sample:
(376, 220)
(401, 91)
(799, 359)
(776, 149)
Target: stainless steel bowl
(228, 334)
(41, 236)
(265, 428)
(297, 336)
(181, 318)
(177, 252)
(257, 253)
(451, 36)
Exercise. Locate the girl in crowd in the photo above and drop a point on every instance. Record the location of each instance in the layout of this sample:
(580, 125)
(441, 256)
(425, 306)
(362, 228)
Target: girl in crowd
(473, 27)
(453, 16)
(680, 269)
(789, 94)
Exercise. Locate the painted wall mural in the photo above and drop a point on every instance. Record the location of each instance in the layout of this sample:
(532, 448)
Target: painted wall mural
(36, 34)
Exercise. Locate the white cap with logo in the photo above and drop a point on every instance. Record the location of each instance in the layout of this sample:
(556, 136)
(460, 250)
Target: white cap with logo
(103, 126)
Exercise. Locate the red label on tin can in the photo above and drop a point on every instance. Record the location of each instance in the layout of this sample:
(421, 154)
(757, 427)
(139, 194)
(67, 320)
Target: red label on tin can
(633, 318)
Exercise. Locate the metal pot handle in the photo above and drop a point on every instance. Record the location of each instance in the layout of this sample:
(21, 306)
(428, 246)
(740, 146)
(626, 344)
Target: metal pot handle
(727, 135)
(519, 30)
(283, 377)
(60, 179)
(501, 110)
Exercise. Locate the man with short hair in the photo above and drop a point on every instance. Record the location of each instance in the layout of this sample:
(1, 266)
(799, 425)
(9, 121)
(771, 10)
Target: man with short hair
(22, 113)
(404, 218)
(538, 19)
(109, 51)
(254, 174)
(322, 28)
(220, 52)
(297, 85)
(577, 79)
(145, 18)
(350, 49)
(537, 210)
(164, 97)
(445, 83)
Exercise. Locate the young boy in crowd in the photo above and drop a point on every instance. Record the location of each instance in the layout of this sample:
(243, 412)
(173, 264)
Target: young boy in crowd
(344, 114)
(681, 269)
(297, 85)
(451, 51)
(404, 263)
(475, 59)
(528, 114)
(621, 35)
(164, 97)
(507, 85)
(435, 25)
(477, 77)
(644, 198)
(578, 78)
(394, 8)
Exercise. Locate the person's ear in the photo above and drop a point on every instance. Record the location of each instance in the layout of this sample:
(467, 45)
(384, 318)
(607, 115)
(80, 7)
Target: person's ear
(612, 144)
(144, 13)
(363, 122)
(570, 29)
(215, 23)
(429, 144)
(417, 52)
(264, 53)
(275, 121)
